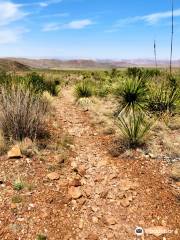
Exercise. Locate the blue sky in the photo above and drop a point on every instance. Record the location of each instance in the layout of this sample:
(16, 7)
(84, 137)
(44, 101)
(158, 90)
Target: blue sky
(103, 29)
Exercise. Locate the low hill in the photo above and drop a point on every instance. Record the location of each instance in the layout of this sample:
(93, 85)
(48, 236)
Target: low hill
(12, 65)
(90, 64)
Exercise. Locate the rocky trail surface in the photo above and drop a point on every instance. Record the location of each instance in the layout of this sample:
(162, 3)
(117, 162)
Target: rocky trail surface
(110, 197)
(91, 196)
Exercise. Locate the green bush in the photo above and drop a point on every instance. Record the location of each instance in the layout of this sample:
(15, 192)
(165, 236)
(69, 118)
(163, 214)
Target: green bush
(32, 81)
(162, 98)
(134, 127)
(84, 89)
(133, 94)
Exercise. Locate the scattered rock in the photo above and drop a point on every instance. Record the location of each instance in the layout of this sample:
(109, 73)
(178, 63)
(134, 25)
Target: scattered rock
(63, 183)
(95, 220)
(53, 176)
(74, 166)
(125, 185)
(175, 172)
(81, 170)
(81, 223)
(75, 192)
(75, 182)
(15, 152)
(92, 236)
(157, 231)
(125, 202)
(151, 155)
(109, 220)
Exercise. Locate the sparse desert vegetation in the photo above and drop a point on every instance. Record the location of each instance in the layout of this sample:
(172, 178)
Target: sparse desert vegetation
(66, 132)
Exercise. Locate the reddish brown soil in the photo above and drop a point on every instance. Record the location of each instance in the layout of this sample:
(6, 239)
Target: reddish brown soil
(46, 208)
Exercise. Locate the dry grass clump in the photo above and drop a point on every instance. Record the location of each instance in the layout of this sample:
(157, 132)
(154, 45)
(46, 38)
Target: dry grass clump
(22, 113)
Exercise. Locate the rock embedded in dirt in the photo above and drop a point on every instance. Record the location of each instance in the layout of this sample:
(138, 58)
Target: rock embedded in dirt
(14, 152)
(75, 192)
(75, 182)
(157, 231)
(53, 176)
(92, 236)
(95, 220)
(81, 170)
(125, 202)
(109, 220)
(175, 172)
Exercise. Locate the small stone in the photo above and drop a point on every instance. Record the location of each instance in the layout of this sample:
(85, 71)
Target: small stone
(15, 152)
(75, 182)
(74, 165)
(63, 183)
(75, 192)
(81, 170)
(95, 209)
(95, 220)
(176, 231)
(53, 176)
(109, 220)
(175, 172)
(92, 236)
(157, 231)
(151, 155)
(178, 184)
(13, 206)
(125, 202)
(81, 223)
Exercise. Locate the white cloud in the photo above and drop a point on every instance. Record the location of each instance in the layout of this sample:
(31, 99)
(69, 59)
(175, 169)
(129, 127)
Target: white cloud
(11, 35)
(41, 4)
(78, 24)
(156, 17)
(10, 12)
(150, 19)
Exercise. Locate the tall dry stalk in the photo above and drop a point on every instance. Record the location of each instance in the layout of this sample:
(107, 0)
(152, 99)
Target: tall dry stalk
(172, 35)
(155, 54)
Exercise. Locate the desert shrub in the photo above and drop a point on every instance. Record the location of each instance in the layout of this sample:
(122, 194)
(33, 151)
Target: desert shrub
(53, 87)
(142, 73)
(134, 72)
(84, 89)
(114, 73)
(32, 81)
(102, 90)
(22, 113)
(133, 94)
(162, 98)
(134, 127)
(35, 82)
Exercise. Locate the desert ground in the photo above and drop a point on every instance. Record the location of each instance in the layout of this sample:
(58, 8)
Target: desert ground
(89, 154)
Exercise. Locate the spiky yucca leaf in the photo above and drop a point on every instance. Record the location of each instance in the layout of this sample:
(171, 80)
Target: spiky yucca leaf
(83, 89)
(134, 127)
(133, 94)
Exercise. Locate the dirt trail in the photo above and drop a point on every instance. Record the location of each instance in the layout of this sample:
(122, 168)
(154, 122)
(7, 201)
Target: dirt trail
(94, 197)
(117, 194)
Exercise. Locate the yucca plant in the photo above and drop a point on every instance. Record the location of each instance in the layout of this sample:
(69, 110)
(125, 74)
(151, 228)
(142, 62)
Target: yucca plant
(84, 89)
(162, 99)
(134, 127)
(133, 94)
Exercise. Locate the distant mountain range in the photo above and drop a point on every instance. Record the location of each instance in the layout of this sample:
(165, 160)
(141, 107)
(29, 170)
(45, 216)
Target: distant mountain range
(86, 64)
